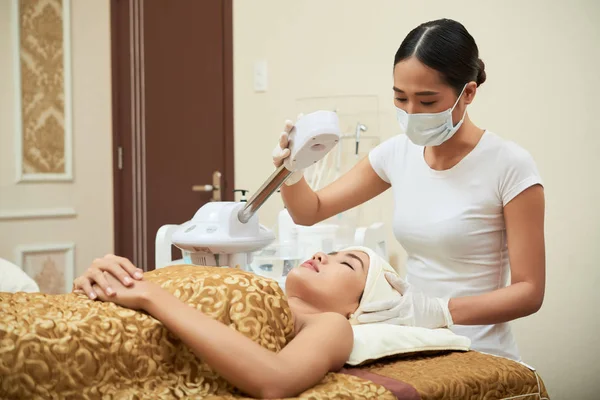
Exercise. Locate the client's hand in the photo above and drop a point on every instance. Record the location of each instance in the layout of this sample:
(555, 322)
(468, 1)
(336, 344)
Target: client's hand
(118, 267)
(133, 297)
(281, 152)
(412, 309)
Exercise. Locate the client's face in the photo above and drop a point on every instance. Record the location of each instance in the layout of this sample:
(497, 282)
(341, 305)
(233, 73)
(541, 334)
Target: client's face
(331, 282)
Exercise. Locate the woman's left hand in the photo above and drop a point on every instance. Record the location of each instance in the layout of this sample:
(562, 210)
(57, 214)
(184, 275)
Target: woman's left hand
(133, 297)
(412, 309)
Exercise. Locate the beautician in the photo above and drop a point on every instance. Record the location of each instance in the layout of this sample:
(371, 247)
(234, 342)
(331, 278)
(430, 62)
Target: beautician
(468, 204)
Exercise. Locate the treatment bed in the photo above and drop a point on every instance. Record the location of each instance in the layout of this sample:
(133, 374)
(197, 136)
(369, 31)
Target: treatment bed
(68, 347)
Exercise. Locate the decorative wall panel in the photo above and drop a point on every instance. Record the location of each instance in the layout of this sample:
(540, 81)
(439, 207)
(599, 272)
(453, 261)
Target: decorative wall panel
(43, 101)
(51, 266)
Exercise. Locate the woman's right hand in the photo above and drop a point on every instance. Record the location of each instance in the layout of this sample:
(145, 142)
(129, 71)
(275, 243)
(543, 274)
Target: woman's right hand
(120, 267)
(282, 151)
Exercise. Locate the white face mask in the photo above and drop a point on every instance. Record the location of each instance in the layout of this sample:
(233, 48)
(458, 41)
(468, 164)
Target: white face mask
(429, 129)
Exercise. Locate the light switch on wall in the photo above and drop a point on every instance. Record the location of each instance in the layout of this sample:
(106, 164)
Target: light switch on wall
(260, 76)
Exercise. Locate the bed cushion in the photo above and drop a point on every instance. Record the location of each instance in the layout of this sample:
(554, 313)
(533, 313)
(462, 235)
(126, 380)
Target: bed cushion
(463, 375)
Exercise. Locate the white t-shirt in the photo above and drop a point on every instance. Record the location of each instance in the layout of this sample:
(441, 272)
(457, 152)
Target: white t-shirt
(451, 222)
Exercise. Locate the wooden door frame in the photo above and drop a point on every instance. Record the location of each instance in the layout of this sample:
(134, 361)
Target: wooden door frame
(228, 126)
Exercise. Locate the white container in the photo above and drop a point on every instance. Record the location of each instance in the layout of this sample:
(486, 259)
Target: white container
(276, 261)
(286, 231)
(313, 239)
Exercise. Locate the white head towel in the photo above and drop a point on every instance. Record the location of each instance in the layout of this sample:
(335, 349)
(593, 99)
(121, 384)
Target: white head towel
(377, 287)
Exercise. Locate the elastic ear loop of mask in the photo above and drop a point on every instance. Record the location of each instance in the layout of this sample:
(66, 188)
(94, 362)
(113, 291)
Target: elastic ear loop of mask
(455, 103)
(459, 96)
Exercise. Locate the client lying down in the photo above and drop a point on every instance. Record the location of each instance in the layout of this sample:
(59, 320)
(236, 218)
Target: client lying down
(323, 294)
(192, 332)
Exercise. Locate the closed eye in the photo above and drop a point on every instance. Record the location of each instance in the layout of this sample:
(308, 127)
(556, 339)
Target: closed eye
(428, 103)
(401, 100)
(348, 264)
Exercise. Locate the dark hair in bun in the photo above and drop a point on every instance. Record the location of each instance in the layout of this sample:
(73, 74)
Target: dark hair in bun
(481, 76)
(446, 46)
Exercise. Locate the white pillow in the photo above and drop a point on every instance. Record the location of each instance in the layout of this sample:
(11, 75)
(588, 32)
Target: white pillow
(374, 341)
(13, 279)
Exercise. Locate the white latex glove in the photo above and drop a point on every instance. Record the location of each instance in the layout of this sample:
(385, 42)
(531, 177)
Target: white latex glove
(412, 309)
(281, 152)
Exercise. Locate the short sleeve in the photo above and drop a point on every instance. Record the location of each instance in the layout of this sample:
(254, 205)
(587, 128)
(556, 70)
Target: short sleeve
(382, 156)
(520, 173)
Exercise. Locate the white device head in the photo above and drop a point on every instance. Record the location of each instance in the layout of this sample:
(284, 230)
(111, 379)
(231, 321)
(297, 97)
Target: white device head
(215, 236)
(313, 136)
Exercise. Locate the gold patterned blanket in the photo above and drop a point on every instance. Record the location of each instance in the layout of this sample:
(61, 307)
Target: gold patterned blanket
(69, 347)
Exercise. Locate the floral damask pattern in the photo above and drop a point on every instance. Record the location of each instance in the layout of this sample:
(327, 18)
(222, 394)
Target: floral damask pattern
(42, 86)
(48, 270)
(69, 347)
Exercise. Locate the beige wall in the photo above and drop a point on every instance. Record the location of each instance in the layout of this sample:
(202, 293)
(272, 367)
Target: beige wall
(90, 193)
(542, 63)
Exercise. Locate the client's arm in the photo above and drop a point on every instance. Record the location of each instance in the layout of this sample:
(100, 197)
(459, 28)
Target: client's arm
(321, 346)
